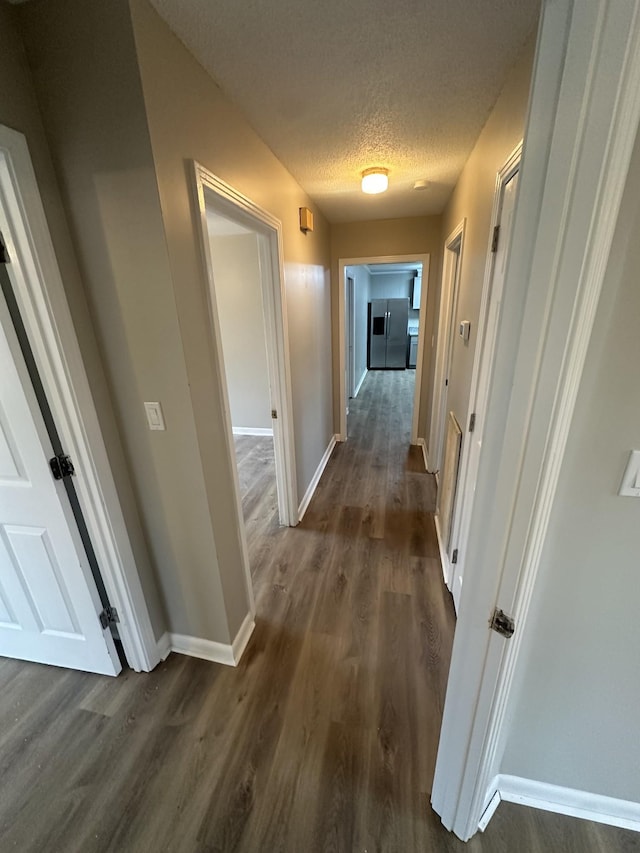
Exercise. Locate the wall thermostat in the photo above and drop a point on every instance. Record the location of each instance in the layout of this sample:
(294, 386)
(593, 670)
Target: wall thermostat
(465, 330)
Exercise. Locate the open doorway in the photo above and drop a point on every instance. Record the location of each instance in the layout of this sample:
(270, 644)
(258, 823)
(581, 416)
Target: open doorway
(382, 311)
(241, 246)
(237, 276)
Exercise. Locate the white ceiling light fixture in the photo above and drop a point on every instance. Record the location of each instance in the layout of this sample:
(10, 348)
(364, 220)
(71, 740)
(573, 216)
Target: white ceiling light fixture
(375, 180)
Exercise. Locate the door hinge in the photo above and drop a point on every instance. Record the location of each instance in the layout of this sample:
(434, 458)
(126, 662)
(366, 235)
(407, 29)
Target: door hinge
(61, 466)
(4, 254)
(454, 556)
(501, 623)
(472, 422)
(109, 616)
(496, 237)
(274, 414)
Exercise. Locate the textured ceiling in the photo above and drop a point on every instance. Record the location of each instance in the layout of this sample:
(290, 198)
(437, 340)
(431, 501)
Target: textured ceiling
(334, 87)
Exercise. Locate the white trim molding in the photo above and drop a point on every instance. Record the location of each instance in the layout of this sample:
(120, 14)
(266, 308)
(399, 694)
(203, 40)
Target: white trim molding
(313, 485)
(228, 654)
(423, 444)
(444, 557)
(583, 121)
(41, 300)
(568, 801)
(360, 383)
(252, 431)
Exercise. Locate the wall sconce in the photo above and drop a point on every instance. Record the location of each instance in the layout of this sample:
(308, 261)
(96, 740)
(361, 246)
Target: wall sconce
(375, 180)
(306, 219)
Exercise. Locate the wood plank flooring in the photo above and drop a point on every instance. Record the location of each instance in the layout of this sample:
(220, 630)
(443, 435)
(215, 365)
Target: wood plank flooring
(323, 739)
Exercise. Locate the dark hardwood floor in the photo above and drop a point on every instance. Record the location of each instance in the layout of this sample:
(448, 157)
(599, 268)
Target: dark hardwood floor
(323, 739)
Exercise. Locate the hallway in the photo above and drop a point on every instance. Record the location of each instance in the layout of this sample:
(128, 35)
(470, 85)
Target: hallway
(325, 736)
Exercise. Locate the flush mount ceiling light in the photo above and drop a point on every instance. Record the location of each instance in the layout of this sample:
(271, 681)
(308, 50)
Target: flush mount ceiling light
(375, 180)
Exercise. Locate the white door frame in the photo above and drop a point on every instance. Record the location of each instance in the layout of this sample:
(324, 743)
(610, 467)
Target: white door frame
(230, 203)
(351, 338)
(41, 299)
(583, 120)
(451, 271)
(419, 258)
(480, 376)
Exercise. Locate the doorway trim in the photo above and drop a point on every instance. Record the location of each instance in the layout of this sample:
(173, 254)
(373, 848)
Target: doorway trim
(582, 124)
(419, 258)
(40, 296)
(232, 204)
(479, 391)
(451, 272)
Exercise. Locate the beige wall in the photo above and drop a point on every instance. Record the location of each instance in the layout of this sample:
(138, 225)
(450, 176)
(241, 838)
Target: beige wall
(472, 199)
(83, 58)
(575, 719)
(189, 118)
(19, 110)
(238, 291)
(378, 238)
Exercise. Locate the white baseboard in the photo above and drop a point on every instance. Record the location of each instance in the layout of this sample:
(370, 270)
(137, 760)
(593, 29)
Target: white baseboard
(196, 647)
(444, 558)
(423, 444)
(251, 431)
(489, 812)
(568, 801)
(242, 637)
(313, 485)
(359, 385)
(164, 646)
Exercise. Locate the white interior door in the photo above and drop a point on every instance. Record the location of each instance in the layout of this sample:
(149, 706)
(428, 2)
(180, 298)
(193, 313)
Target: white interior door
(486, 347)
(444, 350)
(49, 603)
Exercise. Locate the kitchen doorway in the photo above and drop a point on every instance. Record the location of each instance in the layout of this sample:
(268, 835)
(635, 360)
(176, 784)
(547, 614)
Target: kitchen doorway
(382, 308)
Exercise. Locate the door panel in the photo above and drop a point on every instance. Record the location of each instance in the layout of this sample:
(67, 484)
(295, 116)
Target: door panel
(398, 314)
(486, 349)
(49, 603)
(378, 334)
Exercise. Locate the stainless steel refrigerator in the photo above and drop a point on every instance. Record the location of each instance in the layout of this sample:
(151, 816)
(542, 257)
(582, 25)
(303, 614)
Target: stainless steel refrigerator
(388, 320)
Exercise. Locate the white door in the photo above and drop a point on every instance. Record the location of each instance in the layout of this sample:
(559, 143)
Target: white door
(486, 346)
(451, 265)
(49, 603)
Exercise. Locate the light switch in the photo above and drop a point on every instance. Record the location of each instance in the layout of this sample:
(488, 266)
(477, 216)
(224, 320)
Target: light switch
(630, 485)
(155, 417)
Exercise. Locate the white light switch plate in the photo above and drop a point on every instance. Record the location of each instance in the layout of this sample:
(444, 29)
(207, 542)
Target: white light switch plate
(630, 485)
(155, 417)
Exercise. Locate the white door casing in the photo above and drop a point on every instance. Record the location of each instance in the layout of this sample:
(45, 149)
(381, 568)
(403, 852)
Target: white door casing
(502, 217)
(351, 335)
(49, 604)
